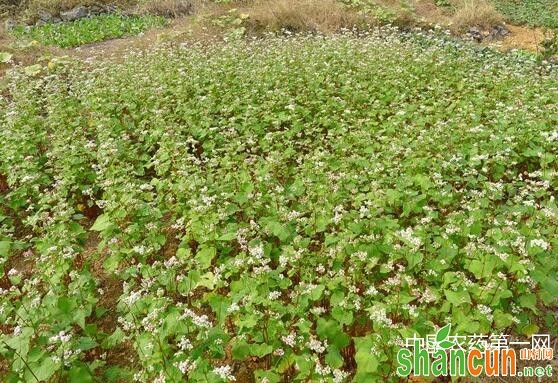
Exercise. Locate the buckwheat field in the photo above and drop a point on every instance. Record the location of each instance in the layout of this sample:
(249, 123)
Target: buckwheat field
(279, 209)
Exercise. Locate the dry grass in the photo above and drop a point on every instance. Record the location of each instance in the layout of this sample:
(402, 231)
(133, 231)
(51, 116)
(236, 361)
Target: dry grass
(475, 13)
(324, 16)
(428, 12)
(168, 8)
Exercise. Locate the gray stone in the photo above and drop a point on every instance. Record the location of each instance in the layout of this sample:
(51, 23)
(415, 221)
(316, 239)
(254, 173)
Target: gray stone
(75, 14)
(498, 32)
(44, 16)
(475, 34)
(9, 24)
(96, 10)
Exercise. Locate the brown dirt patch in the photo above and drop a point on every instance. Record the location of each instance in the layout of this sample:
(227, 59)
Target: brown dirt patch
(522, 38)
(428, 11)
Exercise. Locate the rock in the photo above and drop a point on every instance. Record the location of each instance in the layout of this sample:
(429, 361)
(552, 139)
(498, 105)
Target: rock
(96, 10)
(9, 24)
(44, 16)
(475, 34)
(498, 32)
(75, 14)
(109, 8)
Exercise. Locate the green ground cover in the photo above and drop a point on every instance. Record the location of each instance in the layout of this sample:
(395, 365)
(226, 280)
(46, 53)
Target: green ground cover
(89, 30)
(535, 13)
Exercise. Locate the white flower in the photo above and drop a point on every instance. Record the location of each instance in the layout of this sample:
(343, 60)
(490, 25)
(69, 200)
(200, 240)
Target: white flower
(322, 370)
(371, 291)
(185, 344)
(161, 378)
(225, 373)
(540, 243)
(257, 251)
(361, 255)
(199, 320)
(339, 376)
(133, 297)
(317, 346)
(186, 366)
(140, 249)
(379, 315)
(61, 337)
(293, 215)
(274, 295)
(407, 235)
(172, 261)
(289, 340)
(12, 273)
(486, 311)
(233, 308)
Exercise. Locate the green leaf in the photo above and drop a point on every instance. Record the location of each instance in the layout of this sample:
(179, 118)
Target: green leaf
(219, 304)
(343, 316)
(267, 376)
(529, 301)
(86, 343)
(443, 333)
(529, 329)
(101, 223)
(333, 331)
(4, 248)
(261, 350)
(227, 237)
(205, 256)
(317, 292)
(502, 320)
(365, 356)
(117, 374)
(458, 298)
(46, 369)
(80, 374)
(114, 339)
(240, 350)
(333, 357)
(414, 259)
(5, 57)
(476, 267)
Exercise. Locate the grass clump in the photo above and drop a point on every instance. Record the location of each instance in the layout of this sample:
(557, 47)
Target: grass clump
(396, 12)
(475, 13)
(168, 8)
(323, 16)
(233, 211)
(89, 30)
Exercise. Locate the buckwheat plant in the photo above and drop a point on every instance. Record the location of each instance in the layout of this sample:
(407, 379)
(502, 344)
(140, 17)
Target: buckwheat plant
(288, 209)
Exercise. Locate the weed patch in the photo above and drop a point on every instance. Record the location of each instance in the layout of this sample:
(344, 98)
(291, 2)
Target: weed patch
(89, 30)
